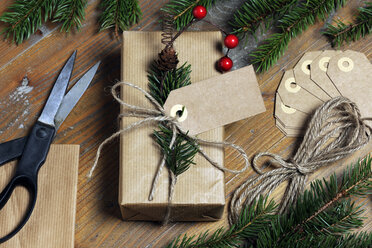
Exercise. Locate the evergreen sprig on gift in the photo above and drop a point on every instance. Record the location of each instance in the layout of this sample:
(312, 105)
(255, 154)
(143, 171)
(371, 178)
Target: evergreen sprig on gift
(161, 83)
(25, 17)
(292, 24)
(253, 13)
(342, 32)
(323, 216)
(181, 156)
(171, 80)
(181, 10)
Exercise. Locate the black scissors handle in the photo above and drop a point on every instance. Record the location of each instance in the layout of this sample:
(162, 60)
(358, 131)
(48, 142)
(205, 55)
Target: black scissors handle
(33, 157)
(12, 149)
(16, 181)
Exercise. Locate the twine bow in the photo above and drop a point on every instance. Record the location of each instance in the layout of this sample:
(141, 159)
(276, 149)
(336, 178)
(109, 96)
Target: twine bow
(335, 131)
(159, 115)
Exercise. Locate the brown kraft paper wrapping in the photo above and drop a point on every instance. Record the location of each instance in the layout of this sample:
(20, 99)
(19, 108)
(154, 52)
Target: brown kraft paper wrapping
(199, 192)
(52, 223)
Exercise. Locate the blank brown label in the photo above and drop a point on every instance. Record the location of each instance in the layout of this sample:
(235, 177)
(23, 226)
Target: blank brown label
(217, 101)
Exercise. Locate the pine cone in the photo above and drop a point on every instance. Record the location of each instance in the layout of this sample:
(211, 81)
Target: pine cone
(168, 59)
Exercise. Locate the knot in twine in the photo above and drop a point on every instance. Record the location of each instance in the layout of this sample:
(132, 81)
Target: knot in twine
(335, 131)
(159, 115)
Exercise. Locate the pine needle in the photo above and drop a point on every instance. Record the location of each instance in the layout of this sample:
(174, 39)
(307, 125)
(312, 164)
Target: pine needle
(342, 32)
(24, 17)
(323, 216)
(70, 13)
(252, 13)
(180, 158)
(119, 14)
(182, 10)
(253, 219)
(292, 24)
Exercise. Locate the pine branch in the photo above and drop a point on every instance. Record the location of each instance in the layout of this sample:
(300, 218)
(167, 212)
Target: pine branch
(180, 157)
(321, 217)
(182, 10)
(71, 13)
(292, 24)
(346, 241)
(341, 218)
(253, 219)
(24, 17)
(323, 206)
(254, 12)
(172, 79)
(161, 83)
(119, 14)
(342, 32)
(346, 216)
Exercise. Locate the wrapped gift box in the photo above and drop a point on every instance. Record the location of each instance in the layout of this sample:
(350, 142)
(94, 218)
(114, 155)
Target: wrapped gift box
(199, 192)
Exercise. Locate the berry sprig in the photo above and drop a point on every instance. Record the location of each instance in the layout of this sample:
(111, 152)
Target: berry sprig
(199, 12)
(231, 41)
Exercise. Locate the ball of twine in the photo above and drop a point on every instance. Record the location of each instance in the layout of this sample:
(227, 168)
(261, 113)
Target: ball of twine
(335, 131)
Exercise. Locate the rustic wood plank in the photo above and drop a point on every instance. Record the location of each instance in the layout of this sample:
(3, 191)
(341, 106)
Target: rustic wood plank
(98, 221)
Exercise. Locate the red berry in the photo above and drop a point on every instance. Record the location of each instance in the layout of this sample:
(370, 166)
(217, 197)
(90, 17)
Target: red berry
(199, 12)
(225, 63)
(231, 41)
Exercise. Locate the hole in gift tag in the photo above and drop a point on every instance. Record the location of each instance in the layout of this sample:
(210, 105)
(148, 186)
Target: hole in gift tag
(286, 109)
(291, 85)
(323, 63)
(345, 64)
(179, 112)
(306, 66)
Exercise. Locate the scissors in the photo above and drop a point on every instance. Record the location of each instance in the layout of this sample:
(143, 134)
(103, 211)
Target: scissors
(33, 149)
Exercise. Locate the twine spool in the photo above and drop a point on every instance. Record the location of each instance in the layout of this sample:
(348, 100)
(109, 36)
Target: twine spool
(338, 117)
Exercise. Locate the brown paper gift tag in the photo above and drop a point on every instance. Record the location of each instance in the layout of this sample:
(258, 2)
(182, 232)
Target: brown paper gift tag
(199, 192)
(290, 132)
(52, 223)
(318, 72)
(294, 96)
(302, 76)
(289, 117)
(351, 71)
(216, 101)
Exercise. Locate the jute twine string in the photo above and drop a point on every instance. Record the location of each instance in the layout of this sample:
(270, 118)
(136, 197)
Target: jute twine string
(159, 115)
(338, 117)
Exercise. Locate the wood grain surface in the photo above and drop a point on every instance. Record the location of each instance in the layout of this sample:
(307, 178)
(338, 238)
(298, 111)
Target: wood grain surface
(98, 221)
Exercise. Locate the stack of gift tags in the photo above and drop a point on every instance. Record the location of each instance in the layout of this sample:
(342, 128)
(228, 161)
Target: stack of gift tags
(318, 77)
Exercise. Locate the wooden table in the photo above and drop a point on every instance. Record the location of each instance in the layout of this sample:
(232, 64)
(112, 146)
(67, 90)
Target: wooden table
(98, 221)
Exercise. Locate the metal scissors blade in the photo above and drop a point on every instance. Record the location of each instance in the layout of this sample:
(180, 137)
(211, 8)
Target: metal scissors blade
(58, 92)
(14, 148)
(74, 95)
